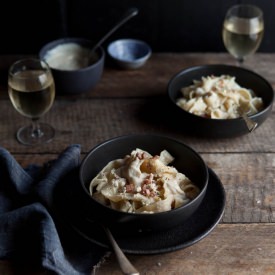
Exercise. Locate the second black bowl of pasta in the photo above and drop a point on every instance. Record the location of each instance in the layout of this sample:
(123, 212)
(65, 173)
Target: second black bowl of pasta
(142, 182)
(210, 100)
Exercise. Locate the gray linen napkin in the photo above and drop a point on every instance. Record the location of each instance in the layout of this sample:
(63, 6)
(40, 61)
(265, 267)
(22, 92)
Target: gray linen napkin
(31, 234)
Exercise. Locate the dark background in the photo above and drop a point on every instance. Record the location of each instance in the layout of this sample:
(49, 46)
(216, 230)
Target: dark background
(167, 25)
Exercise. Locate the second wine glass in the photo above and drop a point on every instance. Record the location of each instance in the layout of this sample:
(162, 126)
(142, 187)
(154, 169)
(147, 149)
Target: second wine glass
(243, 30)
(32, 92)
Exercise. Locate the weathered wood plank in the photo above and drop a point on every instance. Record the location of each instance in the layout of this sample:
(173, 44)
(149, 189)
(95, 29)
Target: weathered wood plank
(250, 194)
(152, 79)
(242, 249)
(91, 121)
(229, 249)
(248, 180)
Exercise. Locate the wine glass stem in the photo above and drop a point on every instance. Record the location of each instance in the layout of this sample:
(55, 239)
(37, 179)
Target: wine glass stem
(36, 131)
(240, 61)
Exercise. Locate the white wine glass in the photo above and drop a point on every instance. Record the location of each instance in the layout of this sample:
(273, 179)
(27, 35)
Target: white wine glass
(32, 92)
(243, 30)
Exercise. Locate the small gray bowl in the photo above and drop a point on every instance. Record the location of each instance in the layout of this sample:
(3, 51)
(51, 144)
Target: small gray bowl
(74, 79)
(129, 53)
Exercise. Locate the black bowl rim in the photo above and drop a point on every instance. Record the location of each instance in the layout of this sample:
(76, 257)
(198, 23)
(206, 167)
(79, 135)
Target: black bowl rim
(50, 45)
(190, 203)
(198, 67)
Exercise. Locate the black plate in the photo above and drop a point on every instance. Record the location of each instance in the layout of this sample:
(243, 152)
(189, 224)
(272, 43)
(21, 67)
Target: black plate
(193, 230)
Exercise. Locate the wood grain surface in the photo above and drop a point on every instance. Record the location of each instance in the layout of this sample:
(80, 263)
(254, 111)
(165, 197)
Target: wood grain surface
(126, 102)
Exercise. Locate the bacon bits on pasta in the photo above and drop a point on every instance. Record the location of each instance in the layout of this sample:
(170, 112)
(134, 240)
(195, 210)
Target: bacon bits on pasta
(219, 97)
(142, 183)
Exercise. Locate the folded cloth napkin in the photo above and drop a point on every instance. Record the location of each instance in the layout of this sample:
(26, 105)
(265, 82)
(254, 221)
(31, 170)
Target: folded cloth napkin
(30, 232)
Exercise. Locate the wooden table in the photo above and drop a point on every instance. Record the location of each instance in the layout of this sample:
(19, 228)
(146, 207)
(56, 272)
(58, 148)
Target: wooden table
(244, 240)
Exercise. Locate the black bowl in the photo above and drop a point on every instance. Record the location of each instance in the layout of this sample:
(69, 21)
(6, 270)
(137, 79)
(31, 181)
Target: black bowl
(219, 128)
(80, 80)
(186, 161)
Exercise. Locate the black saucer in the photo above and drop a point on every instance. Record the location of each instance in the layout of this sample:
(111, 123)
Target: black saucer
(193, 230)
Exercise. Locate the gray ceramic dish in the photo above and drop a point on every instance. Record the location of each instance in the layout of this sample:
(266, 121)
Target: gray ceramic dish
(76, 81)
(129, 53)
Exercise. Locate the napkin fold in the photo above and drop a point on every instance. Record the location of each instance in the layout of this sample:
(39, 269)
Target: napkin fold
(31, 234)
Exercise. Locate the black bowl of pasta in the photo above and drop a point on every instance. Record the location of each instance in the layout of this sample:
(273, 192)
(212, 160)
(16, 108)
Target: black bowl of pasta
(210, 100)
(142, 182)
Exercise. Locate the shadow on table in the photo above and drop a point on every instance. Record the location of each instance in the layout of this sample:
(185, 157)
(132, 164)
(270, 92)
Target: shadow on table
(161, 113)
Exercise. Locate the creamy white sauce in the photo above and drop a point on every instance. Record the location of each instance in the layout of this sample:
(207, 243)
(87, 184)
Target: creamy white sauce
(68, 56)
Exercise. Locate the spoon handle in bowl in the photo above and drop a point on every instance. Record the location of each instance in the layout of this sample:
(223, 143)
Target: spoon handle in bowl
(125, 265)
(129, 14)
(251, 125)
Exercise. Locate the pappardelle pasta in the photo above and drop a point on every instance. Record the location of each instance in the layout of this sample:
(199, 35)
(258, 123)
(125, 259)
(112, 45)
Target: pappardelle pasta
(219, 97)
(142, 183)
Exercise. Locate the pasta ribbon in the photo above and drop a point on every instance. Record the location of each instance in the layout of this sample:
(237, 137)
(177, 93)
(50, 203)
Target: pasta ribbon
(142, 183)
(218, 97)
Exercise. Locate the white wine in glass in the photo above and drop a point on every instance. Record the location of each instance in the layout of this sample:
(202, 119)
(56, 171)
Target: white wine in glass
(243, 30)
(32, 92)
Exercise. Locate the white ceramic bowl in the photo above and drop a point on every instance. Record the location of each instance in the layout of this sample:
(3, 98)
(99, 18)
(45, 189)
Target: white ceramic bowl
(129, 53)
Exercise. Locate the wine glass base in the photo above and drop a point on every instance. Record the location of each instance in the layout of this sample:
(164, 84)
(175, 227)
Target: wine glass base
(25, 135)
